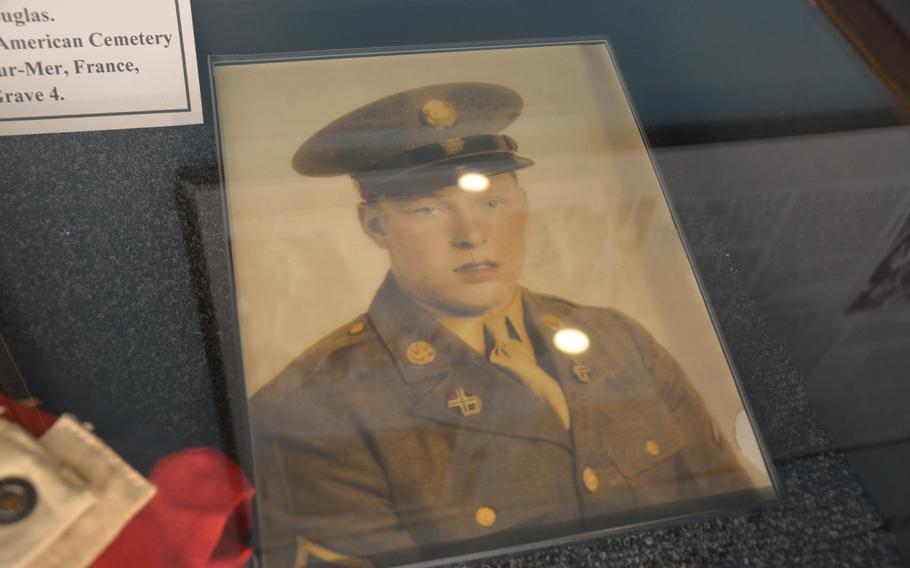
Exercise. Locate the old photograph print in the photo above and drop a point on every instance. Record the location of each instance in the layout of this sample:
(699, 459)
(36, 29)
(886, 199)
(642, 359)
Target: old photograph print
(468, 321)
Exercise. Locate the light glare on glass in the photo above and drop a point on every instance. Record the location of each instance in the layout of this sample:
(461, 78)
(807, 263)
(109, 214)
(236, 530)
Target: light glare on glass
(473, 182)
(571, 341)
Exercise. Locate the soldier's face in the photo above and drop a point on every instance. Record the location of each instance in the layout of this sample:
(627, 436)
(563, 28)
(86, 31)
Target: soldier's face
(458, 251)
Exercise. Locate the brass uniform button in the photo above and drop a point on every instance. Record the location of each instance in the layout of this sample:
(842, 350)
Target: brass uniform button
(357, 328)
(485, 516)
(421, 353)
(592, 483)
(652, 448)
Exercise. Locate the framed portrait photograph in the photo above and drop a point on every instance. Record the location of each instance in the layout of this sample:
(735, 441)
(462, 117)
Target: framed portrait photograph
(468, 321)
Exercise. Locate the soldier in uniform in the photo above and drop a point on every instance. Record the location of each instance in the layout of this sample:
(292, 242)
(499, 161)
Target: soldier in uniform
(463, 412)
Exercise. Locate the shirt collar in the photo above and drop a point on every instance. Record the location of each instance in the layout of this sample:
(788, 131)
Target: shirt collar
(470, 328)
(400, 321)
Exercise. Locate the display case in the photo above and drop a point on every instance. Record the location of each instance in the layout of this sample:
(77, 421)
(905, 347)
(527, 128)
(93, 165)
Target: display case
(390, 283)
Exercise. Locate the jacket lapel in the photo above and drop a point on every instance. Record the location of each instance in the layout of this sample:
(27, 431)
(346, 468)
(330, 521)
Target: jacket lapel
(590, 381)
(463, 389)
(506, 408)
(614, 412)
(543, 319)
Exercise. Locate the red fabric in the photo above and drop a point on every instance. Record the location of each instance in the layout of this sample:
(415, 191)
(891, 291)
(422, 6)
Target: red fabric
(199, 517)
(32, 420)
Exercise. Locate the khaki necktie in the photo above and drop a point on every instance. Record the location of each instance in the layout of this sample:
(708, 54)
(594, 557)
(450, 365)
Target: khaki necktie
(515, 356)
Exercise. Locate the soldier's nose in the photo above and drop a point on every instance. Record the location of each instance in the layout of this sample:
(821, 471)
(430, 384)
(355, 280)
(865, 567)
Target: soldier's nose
(469, 238)
(469, 233)
(464, 244)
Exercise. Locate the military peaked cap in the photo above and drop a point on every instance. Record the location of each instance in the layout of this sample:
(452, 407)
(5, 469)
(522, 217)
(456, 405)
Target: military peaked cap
(419, 140)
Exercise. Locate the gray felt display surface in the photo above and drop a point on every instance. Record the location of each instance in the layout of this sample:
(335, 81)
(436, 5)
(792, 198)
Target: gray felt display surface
(95, 294)
(824, 521)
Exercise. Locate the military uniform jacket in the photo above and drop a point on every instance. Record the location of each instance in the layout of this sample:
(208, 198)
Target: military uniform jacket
(361, 450)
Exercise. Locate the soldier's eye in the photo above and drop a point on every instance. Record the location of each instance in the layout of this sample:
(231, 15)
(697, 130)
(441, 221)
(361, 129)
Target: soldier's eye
(494, 203)
(426, 211)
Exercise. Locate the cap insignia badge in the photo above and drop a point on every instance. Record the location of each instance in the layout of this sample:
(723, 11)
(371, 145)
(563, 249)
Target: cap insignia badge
(437, 113)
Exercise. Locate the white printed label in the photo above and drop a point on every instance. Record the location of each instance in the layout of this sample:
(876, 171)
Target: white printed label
(96, 64)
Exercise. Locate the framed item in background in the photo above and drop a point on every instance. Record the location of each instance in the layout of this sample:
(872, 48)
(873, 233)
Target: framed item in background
(492, 338)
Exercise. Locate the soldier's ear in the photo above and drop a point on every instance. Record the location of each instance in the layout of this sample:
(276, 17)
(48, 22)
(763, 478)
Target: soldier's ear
(370, 215)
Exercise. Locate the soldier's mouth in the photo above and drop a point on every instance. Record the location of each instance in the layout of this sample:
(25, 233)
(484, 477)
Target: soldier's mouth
(476, 266)
(477, 272)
